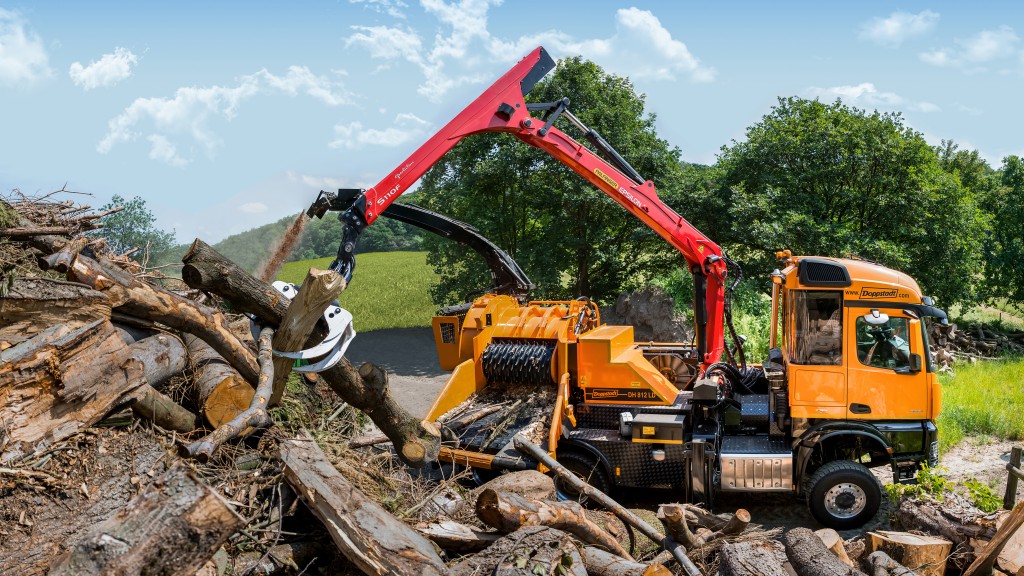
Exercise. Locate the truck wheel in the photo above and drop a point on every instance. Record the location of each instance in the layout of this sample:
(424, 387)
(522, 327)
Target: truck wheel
(843, 495)
(583, 466)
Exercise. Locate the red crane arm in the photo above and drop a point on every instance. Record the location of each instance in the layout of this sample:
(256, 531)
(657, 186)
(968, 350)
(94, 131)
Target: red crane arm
(502, 108)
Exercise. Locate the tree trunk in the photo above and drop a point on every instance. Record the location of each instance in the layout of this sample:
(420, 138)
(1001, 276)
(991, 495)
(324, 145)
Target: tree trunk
(377, 542)
(172, 528)
(752, 558)
(34, 304)
(809, 556)
(601, 563)
(221, 392)
(924, 554)
(509, 512)
(130, 295)
(417, 443)
(530, 551)
(63, 380)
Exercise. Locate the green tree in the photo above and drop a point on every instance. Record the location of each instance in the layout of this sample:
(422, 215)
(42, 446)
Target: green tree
(569, 238)
(831, 180)
(133, 227)
(1004, 250)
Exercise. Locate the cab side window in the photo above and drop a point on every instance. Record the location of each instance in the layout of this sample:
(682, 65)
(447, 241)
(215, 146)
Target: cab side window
(818, 324)
(885, 345)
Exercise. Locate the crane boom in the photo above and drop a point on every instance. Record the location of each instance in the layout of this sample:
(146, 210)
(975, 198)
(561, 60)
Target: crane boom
(502, 108)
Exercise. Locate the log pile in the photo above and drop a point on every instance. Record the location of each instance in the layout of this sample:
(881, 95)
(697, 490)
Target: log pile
(952, 344)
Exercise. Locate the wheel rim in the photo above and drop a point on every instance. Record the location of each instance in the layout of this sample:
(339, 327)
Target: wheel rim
(845, 500)
(567, 492)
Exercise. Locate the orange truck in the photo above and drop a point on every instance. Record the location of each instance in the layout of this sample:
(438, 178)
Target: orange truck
(848, 383)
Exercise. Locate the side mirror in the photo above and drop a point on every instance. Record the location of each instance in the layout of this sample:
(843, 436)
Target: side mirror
(876, 318)
(913, 368)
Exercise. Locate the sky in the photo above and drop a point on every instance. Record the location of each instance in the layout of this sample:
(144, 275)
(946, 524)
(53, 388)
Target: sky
(228, 115)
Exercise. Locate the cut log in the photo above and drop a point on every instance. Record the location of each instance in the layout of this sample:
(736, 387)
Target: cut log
(527, 552)
(674, 520)
(987, 558)
(417, 443)
(809, 556)
(139, 299)
(63, 380)
(932, 518)
(923, 554)
(319, 289)
(374, 540)
(459, 538)
(172, 528)
(221, 392)
(701, 517)
(834, 542)
(601, 563)
(882, 565)
(34, 304)
(678, 551)
(507, 512)
(752, 558)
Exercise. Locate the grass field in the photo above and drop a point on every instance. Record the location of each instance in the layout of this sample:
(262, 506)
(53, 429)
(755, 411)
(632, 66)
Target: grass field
(986, 398)
(389, 289)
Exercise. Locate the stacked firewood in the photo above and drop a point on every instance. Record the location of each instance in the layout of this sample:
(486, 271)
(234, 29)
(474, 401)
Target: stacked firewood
(951, 343)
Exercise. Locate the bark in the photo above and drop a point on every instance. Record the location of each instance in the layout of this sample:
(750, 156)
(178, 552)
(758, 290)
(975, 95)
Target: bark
(459, 538)
(136, 298)
(882, 565)
(924, 554)
(601, 563)
(508, 512)
(678, 551)
(672, 517)
(527, 552)
(986, 560)
(701, 517)
(374, 540)
(163, 411)
(20, 233)
(752, 558)
(63, 380)
(33, 304)
(416, 442)
(172, 528)
(221, 391)
(809, 556)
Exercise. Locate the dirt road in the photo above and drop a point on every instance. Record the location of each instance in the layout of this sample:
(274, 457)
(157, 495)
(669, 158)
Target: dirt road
(409, 356)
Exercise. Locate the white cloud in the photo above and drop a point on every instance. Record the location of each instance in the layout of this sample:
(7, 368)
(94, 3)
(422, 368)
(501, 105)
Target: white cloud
(23, 59)
(640, 48)
(192, 109)
(866, 95)
(319, 182)
(164, 151)
(353, 135)
(973, 53)
(253, 208)
(107, 71)
(969, 110)
(392, 8)
(899, 26)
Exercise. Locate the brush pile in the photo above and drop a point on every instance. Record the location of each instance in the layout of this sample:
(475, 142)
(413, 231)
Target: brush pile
(951, 343)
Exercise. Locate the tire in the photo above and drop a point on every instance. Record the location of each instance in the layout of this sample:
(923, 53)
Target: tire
(586, 467)
(843, 495)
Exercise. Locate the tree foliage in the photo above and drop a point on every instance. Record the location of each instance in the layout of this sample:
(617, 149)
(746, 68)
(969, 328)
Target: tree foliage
(1004, 250)
(831, 180)
(569, 238)
(133, 227)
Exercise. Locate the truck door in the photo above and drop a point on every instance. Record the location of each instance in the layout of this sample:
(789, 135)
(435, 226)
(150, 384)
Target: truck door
(882, 384)
(817, 374)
